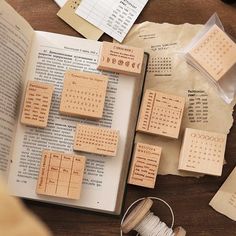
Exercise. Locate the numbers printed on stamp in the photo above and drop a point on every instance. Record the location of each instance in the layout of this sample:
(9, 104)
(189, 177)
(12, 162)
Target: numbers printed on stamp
(37, 103)
(161, 114)
(202, 152)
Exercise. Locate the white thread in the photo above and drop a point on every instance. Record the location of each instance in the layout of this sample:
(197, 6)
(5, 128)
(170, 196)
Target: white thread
(151, 224)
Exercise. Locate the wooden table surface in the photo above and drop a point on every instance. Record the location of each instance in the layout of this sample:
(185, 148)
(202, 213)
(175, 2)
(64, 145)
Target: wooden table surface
(189, 197)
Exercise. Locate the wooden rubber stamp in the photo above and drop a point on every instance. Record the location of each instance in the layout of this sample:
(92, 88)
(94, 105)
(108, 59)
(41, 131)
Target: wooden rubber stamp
(161, 114)
(98, 140)
(202, 152)
(61, 175)
(83, 94)
(144, 165)
(121, 59)
(215, 52)
(37, 103)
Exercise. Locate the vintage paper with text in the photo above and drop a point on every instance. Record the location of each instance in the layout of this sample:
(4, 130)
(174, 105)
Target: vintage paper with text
(225, 199)
(168, 72)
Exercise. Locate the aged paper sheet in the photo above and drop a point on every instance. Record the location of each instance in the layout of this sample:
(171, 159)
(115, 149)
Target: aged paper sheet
(225, 199)
(168, 72)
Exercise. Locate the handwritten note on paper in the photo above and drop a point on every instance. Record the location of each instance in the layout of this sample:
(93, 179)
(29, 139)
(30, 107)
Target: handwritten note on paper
(225, 199)
(115, 17)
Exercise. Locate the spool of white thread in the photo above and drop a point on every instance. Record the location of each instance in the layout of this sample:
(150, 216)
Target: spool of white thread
(142, 220)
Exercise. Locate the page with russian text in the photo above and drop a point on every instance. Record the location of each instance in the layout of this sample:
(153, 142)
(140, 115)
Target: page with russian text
(16, 36)
(51, 55)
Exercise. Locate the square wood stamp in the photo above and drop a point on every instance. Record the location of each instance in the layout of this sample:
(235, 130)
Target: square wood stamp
(144, 166)
(121, 59)
(83, 94)
(61, 175)
(202, 152)
(161, 114)
(37, 103)
(98, 140)
(215, 52)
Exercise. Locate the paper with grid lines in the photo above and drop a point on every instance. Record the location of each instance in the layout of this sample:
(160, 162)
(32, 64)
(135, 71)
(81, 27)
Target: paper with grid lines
(114, 17)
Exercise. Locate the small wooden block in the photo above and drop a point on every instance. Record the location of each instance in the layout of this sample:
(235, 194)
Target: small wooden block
(202, 152)
(121, 59)
(215, 52)
(161, 114)
(61, 175)
(144, 166)
(37, 103)
(83, 94)
(98, 140)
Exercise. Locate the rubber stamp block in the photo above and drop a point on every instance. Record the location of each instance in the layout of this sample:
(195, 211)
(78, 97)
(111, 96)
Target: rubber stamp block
(121, 59)
(144, 165)
(215, 52)
(61, 175)
(98, 140)
(83, 94)
(202, 152)
(37, 103)
(161, 114)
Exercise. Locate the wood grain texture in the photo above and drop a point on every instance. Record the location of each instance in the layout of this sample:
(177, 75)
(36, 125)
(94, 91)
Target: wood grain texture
(189, 197)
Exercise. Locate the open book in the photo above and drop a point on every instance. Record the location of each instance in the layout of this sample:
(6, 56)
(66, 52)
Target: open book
(33, 55)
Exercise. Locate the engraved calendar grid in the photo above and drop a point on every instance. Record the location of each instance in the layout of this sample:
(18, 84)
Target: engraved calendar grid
(61, 175)
(203, 152)
(215, 52)
(98, 140)
(161, 114)
(83, 94)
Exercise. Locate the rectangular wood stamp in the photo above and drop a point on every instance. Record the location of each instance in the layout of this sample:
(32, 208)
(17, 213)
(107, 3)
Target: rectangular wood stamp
(98, 140)
(83, 94)
(37, 103)
(215, 52)
(61, 175)
(202, 152)
(144, 166)
(121, 59)
(161, 114)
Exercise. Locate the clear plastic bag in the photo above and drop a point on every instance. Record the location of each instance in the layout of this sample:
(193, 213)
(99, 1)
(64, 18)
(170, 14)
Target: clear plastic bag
(213, 53)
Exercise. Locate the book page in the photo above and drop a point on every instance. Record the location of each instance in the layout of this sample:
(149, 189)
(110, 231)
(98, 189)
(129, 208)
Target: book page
(52, 55)
(225, 199)
(16, 35)
(114, 17)
(169, 73)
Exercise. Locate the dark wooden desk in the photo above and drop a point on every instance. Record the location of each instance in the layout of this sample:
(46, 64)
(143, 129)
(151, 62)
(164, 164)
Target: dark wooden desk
(189, 197)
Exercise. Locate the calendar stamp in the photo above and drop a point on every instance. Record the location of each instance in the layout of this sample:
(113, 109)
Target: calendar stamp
(37, 104)
(161, 114)
(98, 140)
(215, 52)
(144, 166)
(61, 175)
(202, 152)
(83, 94)
(121, 59)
